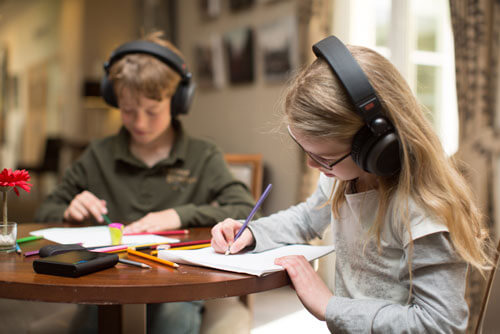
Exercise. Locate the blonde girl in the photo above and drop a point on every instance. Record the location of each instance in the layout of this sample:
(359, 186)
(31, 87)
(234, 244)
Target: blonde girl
(403, 239)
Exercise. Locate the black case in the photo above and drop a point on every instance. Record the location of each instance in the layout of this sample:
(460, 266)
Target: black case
(74, 263)
(50, 250)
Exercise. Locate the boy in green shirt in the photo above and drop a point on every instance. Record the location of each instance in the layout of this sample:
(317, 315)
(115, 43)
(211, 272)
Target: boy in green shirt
(151, 174)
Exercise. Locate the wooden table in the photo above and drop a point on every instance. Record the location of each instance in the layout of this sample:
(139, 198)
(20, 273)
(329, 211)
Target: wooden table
(123, 284)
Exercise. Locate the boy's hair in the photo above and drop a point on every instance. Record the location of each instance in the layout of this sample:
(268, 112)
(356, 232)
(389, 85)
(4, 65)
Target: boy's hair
(144, 74)
(316, 104)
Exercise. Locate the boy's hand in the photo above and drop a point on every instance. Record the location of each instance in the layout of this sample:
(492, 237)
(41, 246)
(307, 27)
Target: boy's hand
(84, 206)
(312, 291)
(155, 221)
(223, 236)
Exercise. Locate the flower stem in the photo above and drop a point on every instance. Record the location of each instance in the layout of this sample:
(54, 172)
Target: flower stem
(5, 211)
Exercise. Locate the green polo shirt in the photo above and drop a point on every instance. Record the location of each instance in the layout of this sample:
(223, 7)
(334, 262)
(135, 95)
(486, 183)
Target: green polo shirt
(194, 180)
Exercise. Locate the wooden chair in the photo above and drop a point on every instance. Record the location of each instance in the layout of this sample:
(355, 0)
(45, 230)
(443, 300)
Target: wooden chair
(248, 169)
(489, 320)
(220, 314)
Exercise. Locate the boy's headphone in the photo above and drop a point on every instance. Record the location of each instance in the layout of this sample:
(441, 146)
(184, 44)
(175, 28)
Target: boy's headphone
(183, 96)
(375, 147)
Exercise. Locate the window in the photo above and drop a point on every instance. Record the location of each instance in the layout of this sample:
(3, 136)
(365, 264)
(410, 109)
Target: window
(416, 36)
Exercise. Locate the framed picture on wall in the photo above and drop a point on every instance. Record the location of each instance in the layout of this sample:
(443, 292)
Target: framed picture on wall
(237, 5)
(209, 63)
(210, 9)
(278, 48)
(239, 48)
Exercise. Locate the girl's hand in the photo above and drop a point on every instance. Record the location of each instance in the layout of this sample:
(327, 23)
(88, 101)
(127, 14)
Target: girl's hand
(84, 206)
(310, 288)
(155, 221)
(223, 236)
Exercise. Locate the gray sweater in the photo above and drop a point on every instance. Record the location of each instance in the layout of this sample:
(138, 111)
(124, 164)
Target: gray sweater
(372, 287)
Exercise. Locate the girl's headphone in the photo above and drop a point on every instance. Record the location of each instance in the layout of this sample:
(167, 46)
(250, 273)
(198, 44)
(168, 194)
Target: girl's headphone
(375, 147)
(183, 96)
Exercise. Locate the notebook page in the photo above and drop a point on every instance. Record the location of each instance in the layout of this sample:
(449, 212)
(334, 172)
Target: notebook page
(251, 263)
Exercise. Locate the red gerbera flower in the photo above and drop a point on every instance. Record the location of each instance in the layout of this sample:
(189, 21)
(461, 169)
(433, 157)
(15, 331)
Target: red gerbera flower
(18, 178)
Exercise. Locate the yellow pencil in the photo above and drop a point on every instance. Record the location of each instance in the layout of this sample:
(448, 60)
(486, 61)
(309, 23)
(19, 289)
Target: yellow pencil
(155, 252)
(152, 258)
(192, 247)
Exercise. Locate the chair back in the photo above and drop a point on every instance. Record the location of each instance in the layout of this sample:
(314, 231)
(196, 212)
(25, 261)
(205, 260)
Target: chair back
(489, 316)
(247, 168)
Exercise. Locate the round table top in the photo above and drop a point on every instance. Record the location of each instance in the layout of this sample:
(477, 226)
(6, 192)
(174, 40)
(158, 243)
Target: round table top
(124, 284)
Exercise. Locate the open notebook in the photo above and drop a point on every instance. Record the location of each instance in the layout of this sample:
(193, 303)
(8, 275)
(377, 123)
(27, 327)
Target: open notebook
(250, 263)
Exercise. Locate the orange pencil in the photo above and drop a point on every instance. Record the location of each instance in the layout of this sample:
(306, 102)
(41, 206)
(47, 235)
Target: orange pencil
(152, 258)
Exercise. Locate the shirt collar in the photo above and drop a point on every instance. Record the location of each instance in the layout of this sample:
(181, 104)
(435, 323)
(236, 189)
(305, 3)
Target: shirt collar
(177, 153)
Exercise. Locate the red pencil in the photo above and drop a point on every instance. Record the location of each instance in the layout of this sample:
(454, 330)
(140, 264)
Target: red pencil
(172, 232)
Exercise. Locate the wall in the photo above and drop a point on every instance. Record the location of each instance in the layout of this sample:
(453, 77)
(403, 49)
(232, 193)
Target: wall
(242, 119)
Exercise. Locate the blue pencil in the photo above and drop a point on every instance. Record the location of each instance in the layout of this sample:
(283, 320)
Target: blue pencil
(18, 249)
(250, 216)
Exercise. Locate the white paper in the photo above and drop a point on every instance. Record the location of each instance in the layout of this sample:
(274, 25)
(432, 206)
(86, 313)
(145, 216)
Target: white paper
(95, 236)
(250, 263)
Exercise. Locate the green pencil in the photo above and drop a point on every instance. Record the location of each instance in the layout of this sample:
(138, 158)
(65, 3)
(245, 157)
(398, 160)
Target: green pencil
(106, 219)
(30, 238)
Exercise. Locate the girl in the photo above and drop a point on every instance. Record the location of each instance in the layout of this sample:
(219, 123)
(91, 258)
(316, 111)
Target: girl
(403, 239)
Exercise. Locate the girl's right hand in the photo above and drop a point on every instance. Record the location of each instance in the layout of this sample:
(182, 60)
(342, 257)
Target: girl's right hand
(223, 236)
(84, 206)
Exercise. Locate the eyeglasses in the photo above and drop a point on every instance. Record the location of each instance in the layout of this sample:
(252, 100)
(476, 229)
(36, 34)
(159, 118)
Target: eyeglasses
(316, 158)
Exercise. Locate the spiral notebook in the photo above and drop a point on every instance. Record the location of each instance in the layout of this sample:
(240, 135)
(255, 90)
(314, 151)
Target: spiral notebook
(257, 264)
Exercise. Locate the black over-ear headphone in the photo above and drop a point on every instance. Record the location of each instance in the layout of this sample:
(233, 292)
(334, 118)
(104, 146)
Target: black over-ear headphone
(183, 96)
(375, 147)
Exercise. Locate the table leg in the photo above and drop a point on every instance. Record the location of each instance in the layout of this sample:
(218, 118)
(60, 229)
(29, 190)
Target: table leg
(109, 319)
(134, 318)
(122, 319)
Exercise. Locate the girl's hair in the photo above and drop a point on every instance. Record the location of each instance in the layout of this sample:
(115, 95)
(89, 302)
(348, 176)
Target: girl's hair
(144, 74)
(316, 104)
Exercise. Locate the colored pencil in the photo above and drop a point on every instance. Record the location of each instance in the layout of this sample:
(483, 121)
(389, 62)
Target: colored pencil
(171, 245)
(134, 263)
(152, 258)
(31, 253)
(172, 232)
(30, 238)
(155, 252)
(106, 219)
(110, 249)
(250, 216)
(18, 249)
(192, 247)
(187, 243)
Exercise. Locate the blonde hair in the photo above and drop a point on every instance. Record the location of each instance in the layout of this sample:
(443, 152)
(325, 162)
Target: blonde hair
(144, 74)
(316, 104)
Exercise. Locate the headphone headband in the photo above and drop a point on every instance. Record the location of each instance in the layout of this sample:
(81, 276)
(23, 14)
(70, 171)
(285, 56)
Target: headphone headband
(183, 96)
(164, 54)
(351, 75)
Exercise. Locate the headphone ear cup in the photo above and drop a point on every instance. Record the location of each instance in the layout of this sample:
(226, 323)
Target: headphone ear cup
(359, 145)
(380, 155)
(107, 92)
(182, 99)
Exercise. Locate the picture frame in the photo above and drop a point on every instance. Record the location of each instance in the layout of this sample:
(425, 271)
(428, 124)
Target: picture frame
(278, 49)
(209, 63)
(239, 50)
